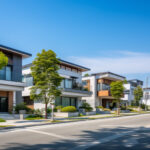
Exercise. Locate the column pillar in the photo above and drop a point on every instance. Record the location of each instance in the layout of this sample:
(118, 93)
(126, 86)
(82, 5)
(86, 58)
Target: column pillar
(100, 102)
(14, 100)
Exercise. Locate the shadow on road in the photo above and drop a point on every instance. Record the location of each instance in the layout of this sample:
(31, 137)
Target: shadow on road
(138, 140)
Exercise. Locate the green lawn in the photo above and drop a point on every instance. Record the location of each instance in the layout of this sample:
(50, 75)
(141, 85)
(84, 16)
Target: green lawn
(2, 120)
(34, 118)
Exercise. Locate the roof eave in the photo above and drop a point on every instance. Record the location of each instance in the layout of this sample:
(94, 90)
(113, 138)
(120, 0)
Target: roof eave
(23, 54)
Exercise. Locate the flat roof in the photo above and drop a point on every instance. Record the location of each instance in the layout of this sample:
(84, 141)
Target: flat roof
(16, 51)
(102, 73)
(67, 63)
(132, 80)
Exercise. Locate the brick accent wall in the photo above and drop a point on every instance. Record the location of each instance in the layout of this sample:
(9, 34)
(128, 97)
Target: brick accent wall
(10, 101)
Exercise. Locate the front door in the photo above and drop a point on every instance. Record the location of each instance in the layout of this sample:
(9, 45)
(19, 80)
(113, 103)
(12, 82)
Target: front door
(3, 104)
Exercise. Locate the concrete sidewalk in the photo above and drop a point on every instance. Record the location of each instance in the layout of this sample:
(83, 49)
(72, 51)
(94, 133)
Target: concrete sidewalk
(24, 123)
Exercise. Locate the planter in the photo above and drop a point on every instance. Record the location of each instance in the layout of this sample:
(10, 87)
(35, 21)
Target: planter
(104, 112)
(82, 111)
(125, 111)
(59, 110)
(98, 110)
(66, 114)
(22, 111)
(90, 113)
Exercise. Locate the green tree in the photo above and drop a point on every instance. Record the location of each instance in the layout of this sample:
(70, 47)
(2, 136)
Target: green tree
(3, 60)
(46, 78)
(86, 75)
(138, 94)
(117, 91)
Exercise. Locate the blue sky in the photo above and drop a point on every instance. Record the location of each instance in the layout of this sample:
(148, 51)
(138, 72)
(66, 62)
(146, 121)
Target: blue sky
(105, 35)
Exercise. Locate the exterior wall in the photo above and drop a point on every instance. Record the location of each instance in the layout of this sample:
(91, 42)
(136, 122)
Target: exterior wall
(19, 97)
(91, 99)
(70, 73)
(17, 68)
(128, 97)
(147, 102)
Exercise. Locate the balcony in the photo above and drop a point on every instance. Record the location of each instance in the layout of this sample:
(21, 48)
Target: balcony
(104, 93)
(76, 90)
(11, 85)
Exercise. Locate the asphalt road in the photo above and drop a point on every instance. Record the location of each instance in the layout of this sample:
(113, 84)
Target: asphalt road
(132, 133)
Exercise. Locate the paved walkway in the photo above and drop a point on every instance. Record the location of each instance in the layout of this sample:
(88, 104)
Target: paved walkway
(23, 123)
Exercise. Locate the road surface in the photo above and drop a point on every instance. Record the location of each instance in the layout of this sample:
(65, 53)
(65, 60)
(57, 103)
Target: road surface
(132, 133)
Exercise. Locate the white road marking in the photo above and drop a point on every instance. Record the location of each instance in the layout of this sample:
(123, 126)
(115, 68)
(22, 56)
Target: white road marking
(78, 123)
(50, 134)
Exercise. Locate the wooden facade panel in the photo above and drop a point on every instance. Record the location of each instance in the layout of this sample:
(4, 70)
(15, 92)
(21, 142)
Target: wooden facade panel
(104, 93)
(88, 85)
(3, 93)
(10, 101)
(105, 81)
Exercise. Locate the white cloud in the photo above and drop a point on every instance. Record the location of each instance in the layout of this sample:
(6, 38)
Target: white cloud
(127, 63)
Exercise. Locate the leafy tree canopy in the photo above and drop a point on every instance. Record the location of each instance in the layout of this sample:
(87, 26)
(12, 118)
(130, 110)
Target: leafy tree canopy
(86, 75)
(46, 78)
(3, 60)
(117, 89)
(138, 94)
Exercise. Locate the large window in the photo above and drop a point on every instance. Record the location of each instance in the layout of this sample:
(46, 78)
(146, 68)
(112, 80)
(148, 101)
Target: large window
(6, 73)
(68, 83)
(65, 101)
(28, 79)
(103, 87)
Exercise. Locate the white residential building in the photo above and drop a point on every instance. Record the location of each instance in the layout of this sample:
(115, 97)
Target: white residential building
(129, 90)
(99, 85)
(72, 85)
(146, 96)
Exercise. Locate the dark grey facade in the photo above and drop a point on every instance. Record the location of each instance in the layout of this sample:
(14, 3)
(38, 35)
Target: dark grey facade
(11, 85)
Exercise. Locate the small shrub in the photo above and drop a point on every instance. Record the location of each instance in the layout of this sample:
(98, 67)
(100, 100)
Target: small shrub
(34, 117)
(100, 107)
(49, 110)
(69, 109)
(2, 120)
(123, 107)
(38, 111)
(143, 106)
(21, 106)
(86, 106)
(59, 107)
(85, 89)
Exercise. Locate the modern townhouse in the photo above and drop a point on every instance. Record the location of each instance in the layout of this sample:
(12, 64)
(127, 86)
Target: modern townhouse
(11, 83)
(129, 90)
(99, 85)
(72, 89)
(146, 96)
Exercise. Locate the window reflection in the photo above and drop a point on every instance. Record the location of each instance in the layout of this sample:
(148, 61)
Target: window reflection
(6, 73)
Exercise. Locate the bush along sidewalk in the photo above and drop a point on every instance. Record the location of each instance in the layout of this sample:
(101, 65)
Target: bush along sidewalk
(34, 117)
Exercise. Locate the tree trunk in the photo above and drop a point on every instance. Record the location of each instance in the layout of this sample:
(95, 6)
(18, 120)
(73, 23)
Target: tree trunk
(45, 110)
(118, 108)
